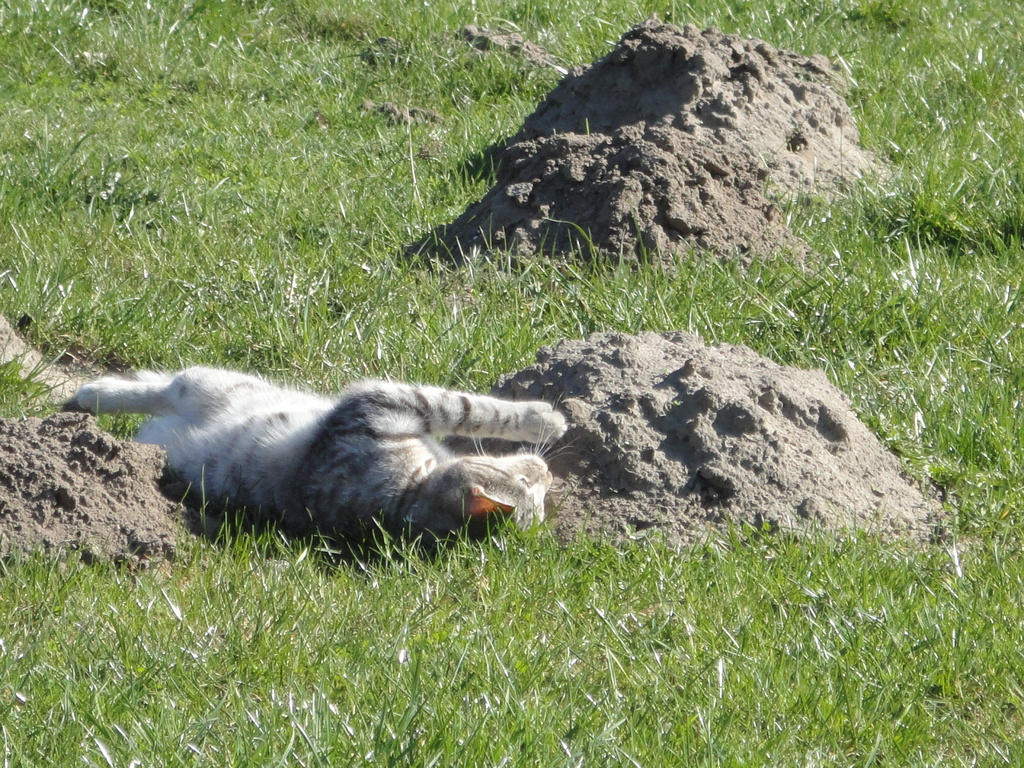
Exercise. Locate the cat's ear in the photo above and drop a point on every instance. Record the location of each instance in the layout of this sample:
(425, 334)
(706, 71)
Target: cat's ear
(480, 504)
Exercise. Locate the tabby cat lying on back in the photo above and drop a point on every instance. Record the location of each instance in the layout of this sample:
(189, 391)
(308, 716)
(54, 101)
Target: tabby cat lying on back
(335, 467)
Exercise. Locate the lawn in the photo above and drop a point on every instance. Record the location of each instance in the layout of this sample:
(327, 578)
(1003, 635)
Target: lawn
(203, 183)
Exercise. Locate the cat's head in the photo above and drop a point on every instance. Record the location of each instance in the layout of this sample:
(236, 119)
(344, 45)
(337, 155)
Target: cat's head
(473, 491)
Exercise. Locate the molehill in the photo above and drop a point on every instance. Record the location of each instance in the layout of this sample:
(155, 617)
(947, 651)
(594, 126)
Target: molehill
(669, 435)
(67, 486)
(677, 140)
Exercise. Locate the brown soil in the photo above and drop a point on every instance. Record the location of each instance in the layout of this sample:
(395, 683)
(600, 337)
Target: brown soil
(397, 115)
(484, 39)
(68, 487)
(671, 142)
(667, 434)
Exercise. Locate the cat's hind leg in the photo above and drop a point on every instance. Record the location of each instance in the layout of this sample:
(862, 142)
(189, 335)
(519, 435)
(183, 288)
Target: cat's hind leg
(193, 393)
(143, 392)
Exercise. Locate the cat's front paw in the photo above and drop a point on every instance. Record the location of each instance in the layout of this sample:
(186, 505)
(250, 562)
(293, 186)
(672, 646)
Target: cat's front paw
(544, 422)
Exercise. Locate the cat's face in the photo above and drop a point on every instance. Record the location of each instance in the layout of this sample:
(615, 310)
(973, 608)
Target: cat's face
(474, 491)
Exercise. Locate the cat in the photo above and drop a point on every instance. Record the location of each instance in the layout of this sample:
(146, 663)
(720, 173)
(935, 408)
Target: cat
(369, 458)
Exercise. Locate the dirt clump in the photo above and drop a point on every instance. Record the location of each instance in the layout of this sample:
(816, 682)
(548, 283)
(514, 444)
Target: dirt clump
(673, 141)
(485, 39)
(66, 486)
(667, 434)
(398, 115)
(386, 51)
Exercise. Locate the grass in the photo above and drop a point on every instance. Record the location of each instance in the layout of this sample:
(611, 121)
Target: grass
(837, 653)
(847, 654)
(169, 195)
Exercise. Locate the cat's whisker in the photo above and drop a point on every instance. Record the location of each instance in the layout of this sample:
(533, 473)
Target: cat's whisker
(544, 442)
(557, 448)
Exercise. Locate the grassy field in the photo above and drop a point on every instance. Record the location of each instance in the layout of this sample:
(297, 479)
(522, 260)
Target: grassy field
(200, 182)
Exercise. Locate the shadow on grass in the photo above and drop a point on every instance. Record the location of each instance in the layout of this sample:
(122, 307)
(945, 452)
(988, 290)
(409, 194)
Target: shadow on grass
(369, 545)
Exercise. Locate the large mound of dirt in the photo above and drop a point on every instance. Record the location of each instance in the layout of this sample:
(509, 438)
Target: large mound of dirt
(668, 434)
(67, 486)
(670, 142)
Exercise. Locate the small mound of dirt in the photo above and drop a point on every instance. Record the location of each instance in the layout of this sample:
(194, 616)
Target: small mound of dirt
(669, 143)
(484, 39)
(668, 434)
(68, 486)
(397, 115)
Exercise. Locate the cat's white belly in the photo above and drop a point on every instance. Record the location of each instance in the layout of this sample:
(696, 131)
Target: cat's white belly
(246, 456)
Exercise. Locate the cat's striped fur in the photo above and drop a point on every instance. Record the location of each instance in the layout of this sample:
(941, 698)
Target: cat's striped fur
(336, 466)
